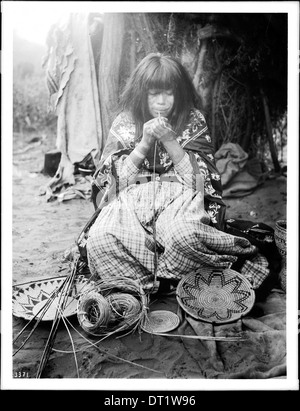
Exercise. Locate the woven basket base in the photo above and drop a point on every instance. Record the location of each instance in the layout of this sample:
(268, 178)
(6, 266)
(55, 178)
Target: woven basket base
(160, 321)
(215, 295)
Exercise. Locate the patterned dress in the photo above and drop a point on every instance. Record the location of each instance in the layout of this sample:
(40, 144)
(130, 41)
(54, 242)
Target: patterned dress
(173, 212)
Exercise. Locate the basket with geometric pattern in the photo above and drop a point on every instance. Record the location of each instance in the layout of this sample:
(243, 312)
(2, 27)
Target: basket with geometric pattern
(39, 299)
(280, 240)
(215, 295)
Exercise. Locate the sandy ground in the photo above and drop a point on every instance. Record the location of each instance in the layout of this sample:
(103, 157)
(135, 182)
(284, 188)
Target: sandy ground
(43, 231)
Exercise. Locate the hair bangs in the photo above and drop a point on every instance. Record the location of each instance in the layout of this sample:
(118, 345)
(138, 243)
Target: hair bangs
(164, 77)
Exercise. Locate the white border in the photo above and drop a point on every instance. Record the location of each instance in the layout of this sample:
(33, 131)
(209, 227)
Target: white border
(291, 382)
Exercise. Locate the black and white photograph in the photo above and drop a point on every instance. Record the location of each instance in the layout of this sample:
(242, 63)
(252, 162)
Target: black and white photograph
(150, 198)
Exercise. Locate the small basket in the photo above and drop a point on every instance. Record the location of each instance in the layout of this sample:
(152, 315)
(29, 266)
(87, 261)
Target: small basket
(160, 321)
(280, 240)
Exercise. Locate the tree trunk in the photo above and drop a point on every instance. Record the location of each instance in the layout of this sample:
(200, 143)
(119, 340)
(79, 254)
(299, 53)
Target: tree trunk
(142, 25)
(214, 112)
(269, 131)
(110, 61)
(245, 144)
(132, 51)
(199, 70)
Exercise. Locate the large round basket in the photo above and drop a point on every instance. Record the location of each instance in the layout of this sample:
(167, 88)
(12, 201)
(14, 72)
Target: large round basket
(280, 240)
(215, 295)
(39, 299)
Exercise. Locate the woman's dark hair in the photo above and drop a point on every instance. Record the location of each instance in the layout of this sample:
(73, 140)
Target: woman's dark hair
(157, 71)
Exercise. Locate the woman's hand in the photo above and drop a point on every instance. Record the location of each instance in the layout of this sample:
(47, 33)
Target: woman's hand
(148, 138)
(160, 129)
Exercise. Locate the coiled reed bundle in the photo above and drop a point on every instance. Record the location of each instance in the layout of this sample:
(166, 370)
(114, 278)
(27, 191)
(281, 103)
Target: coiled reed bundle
(126, 285)
(93, 312)
(114, 305)
(125, 308)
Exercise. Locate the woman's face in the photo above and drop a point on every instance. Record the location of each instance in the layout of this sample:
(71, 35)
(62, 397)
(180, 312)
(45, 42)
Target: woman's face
(160, 101)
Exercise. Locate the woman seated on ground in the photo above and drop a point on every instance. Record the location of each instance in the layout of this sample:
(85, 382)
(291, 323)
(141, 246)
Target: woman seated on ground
(159, 189)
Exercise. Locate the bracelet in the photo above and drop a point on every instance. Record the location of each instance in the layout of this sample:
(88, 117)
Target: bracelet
(139, 154)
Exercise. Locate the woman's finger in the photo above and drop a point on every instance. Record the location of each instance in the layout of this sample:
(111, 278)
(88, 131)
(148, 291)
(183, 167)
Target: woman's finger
(163, 120)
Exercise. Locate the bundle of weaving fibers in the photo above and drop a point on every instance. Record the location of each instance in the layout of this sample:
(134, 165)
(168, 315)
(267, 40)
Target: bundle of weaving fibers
(114, 305)
(125, 308)
(93, 313)
(117, 284)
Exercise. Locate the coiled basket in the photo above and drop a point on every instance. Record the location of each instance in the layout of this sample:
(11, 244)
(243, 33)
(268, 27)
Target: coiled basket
(280, 240)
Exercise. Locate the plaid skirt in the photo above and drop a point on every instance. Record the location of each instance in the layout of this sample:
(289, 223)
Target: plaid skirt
(122, 240)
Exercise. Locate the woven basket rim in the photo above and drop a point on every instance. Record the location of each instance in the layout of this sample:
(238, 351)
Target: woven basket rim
(195, 289)
(279, 225)
(171, 321)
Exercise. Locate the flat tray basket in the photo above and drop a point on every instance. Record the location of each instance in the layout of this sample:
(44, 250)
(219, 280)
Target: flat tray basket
(29, 299)
(215, 295)
(160, 321)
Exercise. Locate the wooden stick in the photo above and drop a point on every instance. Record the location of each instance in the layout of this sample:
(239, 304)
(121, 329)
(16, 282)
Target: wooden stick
(60, 309)
(201, 337)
